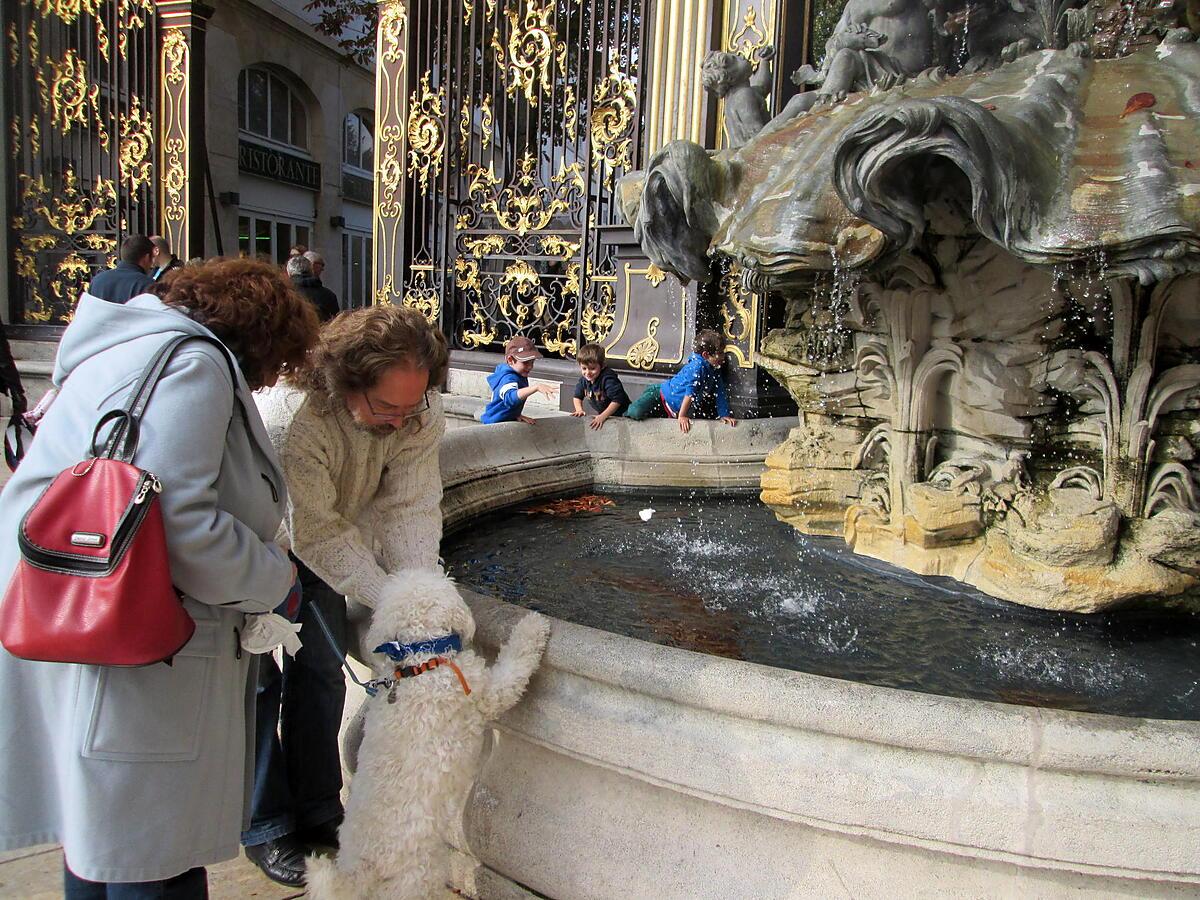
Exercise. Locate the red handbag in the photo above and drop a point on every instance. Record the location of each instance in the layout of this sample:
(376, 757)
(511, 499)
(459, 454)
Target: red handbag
(93, 584)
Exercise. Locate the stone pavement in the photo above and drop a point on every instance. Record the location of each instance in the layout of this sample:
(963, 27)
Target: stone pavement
(35, 873)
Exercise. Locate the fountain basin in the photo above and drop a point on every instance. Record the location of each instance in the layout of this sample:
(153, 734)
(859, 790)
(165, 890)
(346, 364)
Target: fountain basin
(646, 770)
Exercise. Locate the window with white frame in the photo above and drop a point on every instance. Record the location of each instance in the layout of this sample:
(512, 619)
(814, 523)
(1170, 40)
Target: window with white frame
(358, 143)
(270, 108)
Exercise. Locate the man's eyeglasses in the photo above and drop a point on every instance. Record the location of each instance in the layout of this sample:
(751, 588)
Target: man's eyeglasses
(421, 407)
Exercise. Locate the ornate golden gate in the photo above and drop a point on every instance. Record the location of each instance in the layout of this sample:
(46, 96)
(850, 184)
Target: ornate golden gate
(521, 115)
(80, 105)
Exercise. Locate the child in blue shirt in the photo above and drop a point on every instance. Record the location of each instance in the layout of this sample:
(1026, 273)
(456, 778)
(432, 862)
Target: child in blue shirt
(510, 384)
(599, 385)
(697, 391)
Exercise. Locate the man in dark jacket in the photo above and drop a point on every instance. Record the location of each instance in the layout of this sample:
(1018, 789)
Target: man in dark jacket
(162, 260)
(128, 278)
(10, 378)
(321, 297)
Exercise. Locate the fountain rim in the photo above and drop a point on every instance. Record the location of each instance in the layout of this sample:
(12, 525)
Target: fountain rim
(1036, 737)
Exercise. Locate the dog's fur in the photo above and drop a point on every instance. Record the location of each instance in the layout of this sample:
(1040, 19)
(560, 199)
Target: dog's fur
(420, 746)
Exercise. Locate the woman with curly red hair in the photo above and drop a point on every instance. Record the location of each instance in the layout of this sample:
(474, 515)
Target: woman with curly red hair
(141, 773)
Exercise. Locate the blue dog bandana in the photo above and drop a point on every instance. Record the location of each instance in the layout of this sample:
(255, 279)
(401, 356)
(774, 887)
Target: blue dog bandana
(436, 646)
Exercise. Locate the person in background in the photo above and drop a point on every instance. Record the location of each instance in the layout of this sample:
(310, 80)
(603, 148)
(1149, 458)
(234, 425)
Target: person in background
(697, 391)
(318, 266)
(128, 278)
(357, 431)
(162, 260)
(323, 300)
(600, 385)
(510, 384)
(141, 773)
(10, 378)
(297, 250)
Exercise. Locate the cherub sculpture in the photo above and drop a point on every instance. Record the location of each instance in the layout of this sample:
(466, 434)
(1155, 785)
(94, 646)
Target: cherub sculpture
(876, 44)
(731, 77)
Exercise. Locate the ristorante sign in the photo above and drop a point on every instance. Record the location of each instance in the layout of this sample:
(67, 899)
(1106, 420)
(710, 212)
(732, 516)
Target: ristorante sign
(267, 162)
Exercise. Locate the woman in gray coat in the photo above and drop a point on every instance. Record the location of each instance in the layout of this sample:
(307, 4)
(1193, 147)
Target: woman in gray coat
(143, 773)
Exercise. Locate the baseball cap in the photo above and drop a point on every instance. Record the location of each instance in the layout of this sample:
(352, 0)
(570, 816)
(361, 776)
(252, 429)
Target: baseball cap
(521, 349)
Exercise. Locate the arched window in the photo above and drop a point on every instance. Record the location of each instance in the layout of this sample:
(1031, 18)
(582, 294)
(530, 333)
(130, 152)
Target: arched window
(358, 143)
(268, 107)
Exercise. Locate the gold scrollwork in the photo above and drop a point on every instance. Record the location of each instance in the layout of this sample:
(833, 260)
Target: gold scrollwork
(393, 23)
(524, 207)
(748, 37)
(533, 49)
(487, 121)
(426, 134)
(613, 105)
(421, 294)
(72, 96)
(734, 311)
(571, 283)
(524, 289)
(137, 142)
(72, 210)
(643, 354)
(557, 245)
(174, 151)
(482, 335)
(598, 319)
(570, 113)
(655, 275)
(466, 274)
(71, 277)
(468, 11)
(14, 48)
(560, 342)
(480, 247)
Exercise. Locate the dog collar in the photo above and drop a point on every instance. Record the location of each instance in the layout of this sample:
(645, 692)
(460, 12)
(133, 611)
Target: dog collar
(373, 687)
(450, 643)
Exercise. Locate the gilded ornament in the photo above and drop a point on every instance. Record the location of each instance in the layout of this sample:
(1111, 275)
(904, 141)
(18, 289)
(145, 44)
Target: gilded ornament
(72, 276)
(468, 11)
(571, 114)
(598, 320)
(466, 274)
(421, 294)
(734, 311)
(464, 128)
(486, 123)
(749, 36)
(72, 96)
(643, 354)
(655, 275)
(479, 247)
(387, 291)
(14, 48)
(426, 134)
(482, 336)
(557, 245)
(72, 211)
(137, 142)
(175, 52)
(613, 107)
(390, 172)
(560, 343)
(393, 22)
(523, 207)
(571, 285)
(533, 50)
(463, 221)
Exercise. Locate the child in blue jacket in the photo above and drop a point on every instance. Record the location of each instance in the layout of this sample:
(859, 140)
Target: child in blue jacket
(697, 391)
(510, 384)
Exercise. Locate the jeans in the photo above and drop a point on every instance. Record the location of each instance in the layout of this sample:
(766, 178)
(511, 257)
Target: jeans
(297, 765)
(191, 885)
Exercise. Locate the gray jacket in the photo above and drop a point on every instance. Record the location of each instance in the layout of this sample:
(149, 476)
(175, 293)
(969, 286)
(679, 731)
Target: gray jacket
(144, 773)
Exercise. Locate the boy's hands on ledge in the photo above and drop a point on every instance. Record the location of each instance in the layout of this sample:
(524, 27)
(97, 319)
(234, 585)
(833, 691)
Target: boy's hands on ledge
(527, 420)
(685, 423)
(598, 422)
(730, 421)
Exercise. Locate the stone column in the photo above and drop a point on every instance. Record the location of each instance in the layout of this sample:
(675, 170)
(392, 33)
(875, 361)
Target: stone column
(391, 114)
(181, 146)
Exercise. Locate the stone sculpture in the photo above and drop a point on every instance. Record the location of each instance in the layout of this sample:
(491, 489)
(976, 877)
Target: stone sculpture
(730, 77)
(989, 289)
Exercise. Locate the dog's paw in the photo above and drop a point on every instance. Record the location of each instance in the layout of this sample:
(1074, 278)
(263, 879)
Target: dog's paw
(531, 633)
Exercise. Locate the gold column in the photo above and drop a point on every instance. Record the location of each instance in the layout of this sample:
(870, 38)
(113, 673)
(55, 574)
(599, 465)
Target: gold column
(391, 115)
(676, 108)
(181, 125)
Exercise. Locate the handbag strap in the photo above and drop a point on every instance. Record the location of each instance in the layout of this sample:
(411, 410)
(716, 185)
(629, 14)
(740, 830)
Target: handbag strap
(122, 442)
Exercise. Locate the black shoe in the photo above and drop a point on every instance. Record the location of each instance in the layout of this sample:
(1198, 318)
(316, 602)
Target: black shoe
(321, 837)
(282, 860)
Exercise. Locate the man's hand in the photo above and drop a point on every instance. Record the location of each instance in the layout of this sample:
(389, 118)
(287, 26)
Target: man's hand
(685, 424)
(598, 422)
(730, 421)
(527, 420)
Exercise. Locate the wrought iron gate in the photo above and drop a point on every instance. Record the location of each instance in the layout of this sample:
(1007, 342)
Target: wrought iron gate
(522, 114)
(80, 99)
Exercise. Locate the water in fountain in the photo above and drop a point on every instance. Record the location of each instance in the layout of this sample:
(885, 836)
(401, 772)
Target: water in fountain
(722, 576)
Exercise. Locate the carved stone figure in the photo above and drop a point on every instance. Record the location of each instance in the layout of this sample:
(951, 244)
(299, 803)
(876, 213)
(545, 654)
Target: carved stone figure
(730, 77)
(876, 44)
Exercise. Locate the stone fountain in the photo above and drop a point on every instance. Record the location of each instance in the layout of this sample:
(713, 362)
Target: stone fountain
(983, 222)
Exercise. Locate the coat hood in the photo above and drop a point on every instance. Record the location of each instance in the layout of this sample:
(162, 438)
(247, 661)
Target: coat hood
(99, 326)
(503, 371)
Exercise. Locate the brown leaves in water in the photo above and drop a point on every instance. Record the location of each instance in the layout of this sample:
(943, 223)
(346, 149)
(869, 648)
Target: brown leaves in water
(575, 506)
(1139, 101)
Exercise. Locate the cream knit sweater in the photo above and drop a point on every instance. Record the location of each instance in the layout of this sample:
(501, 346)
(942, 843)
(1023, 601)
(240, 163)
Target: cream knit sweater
(360, 505)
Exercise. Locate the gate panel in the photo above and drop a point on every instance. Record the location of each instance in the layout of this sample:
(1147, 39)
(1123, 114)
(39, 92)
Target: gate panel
(521, 116)
(80, 95)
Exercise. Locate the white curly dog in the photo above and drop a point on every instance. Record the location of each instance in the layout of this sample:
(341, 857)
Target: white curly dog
(423, 733)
